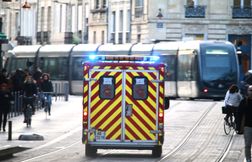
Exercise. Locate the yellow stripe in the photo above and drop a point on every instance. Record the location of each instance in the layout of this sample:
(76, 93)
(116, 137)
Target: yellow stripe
(142, 103)
(151, 113)
(104, 113)
(130, 136)
(135, 130)
(100, 107)
(146, 130)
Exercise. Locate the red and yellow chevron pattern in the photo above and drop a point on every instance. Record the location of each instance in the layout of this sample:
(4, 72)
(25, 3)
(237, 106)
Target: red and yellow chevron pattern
(106, 115)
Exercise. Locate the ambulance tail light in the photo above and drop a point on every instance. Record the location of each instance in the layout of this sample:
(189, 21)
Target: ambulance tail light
(161, 117)
(85, 115)
(85, 67)
(162, 69)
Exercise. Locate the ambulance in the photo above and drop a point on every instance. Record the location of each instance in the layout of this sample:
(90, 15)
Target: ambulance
(123, 104)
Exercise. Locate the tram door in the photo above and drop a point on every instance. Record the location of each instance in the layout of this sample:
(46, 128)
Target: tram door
(185, 72)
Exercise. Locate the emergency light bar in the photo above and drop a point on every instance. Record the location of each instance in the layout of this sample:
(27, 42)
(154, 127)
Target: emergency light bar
(123, 58)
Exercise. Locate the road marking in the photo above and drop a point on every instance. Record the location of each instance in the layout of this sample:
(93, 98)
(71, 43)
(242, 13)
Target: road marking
(58, 139)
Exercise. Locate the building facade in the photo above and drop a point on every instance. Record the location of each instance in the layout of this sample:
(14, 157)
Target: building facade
(129, 21)
(123, 21)
(43, 21)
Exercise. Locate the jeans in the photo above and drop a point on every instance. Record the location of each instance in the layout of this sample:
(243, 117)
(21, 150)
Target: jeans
(48, 97)
(248, 141)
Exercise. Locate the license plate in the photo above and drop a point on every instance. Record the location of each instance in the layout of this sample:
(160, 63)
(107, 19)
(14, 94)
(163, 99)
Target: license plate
(100, 135)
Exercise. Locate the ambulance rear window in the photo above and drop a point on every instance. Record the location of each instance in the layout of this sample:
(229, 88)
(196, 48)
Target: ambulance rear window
(107, 87)
(140, 88)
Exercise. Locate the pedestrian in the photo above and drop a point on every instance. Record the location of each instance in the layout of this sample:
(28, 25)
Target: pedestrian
(247, 106)
(232, 102)
(18, 80)
(5, 104)
(46, 87)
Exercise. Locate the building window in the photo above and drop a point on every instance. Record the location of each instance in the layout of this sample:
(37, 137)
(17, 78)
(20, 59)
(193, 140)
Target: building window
(42, 18)
(112, 38)
(139, 8)
(120, 38)
(242, 9)
(113, 21)
(242, 3)
(138, 38)
(49, 18)
(103, 37)
(127, 37)
(79, 23)
(104, 4)
(97, 4)
(121, 21)
(94, 37)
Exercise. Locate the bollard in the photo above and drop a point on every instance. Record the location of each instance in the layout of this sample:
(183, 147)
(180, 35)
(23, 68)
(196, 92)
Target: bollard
(9, 130)
(66, 88)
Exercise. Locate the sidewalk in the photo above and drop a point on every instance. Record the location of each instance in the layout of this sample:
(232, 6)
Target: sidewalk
(50, 127)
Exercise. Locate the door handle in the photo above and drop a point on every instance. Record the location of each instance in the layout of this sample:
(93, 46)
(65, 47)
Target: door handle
(128, 111)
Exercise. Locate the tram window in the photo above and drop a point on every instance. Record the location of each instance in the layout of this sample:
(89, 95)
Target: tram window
(170, 61)
(185, 68)
(17, 63)
(56, 67)
(140, 88)
(77, 73)
(216, 63)
(107, 87)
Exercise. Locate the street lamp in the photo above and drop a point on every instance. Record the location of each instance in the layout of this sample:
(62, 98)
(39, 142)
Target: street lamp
(26, 5)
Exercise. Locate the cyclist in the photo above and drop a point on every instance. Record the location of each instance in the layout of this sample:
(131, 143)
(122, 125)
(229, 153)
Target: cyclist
(30, 92)
(232, 101)
(47, 88)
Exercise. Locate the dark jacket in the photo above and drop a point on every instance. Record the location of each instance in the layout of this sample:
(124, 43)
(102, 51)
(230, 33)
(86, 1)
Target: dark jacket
(30, 89)
(246, 105)
(5, 101)
(46, 86)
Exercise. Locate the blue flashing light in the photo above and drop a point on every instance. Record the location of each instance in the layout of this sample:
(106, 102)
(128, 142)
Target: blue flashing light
(154, 58)
(92, 57)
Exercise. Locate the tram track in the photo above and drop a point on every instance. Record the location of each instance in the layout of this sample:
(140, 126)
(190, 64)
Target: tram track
(204, 147)
(166, 157)
(189, 134)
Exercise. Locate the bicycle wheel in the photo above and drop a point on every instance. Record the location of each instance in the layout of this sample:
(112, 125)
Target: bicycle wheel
(227, 126)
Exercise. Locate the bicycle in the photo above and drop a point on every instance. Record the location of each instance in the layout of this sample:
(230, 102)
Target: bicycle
(47, 102)
(229, 123)
(28, 110)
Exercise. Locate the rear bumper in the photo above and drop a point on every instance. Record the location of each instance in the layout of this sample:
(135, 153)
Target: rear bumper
(124, 145)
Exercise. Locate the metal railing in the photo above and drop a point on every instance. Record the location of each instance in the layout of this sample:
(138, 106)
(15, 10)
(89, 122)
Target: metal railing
(61, 91)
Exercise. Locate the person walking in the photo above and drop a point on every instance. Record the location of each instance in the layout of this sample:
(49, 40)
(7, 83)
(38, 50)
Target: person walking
(232, 102)
(46, 87)
(5, 104)
(247, 107)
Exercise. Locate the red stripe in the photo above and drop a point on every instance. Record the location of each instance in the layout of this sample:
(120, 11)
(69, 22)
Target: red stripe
(142, 120)
(113, 132)
(131, 132)
(105, 107)
(142, 109)
(149, 94)
(139, 128)
(113, 121)
(100, 101)
(140, 106)
(109, 114)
